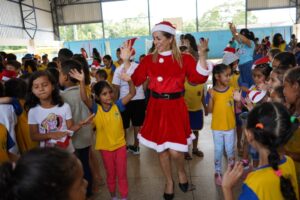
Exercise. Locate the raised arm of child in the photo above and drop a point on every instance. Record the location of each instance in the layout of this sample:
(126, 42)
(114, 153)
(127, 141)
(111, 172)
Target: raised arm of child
(80, 77)
(132, 90)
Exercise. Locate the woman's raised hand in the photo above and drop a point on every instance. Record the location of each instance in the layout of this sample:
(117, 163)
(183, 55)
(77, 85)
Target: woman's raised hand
(126, 51)
(77, 75)
(203, 46)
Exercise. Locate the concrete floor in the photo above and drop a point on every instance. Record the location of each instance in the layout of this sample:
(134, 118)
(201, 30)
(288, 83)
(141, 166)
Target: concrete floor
(146, 181)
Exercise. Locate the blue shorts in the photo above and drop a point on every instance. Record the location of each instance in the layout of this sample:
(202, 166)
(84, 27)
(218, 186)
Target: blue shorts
(238, 120)
(245, 78)
(196, 119)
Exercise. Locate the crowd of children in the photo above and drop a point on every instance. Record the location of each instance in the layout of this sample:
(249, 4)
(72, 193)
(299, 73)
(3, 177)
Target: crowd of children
(254, 101)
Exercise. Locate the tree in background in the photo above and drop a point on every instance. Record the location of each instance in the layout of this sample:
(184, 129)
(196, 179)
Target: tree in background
(219, 16)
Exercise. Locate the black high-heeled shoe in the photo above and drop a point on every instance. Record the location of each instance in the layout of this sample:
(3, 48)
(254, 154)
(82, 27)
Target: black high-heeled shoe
(168, 196)
(185, 187)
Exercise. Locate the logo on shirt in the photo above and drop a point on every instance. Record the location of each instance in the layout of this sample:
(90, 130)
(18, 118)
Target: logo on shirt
(52, 123)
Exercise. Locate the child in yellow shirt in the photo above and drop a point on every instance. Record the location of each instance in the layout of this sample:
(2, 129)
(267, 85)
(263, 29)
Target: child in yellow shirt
(110, 136)
(221, 105)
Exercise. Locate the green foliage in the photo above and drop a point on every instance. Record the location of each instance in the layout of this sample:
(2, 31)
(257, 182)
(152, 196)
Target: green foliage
(219, 16)
(214, 19)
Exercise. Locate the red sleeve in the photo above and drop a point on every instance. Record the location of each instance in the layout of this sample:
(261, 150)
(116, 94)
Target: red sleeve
(140, 74)
(193, 76)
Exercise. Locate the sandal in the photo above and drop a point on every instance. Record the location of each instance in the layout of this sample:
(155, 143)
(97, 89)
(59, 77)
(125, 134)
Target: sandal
(187, 156)
(198, 153)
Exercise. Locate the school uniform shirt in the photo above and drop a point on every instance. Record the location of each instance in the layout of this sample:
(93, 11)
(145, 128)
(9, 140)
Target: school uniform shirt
(234, 81)
(264, 184)
(23, 138)
(293, 146)
(6, 143)
(223, 117)
(110, 133)
(110, 72)
(193, 96)
(83, 137)
(8, 118)
(51, 120)
(124, 87)
(166, 124)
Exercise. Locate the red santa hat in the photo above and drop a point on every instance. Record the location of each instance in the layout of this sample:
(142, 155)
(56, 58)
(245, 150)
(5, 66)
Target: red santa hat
(256, 96)
(164, 26)
(229, 49)
(261, 61)
(7, 74)
(95, 65)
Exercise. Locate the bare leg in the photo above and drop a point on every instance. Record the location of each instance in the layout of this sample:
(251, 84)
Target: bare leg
(95, 170)
(195, 141)
(165, 164)
(136, 130)
(178, 157)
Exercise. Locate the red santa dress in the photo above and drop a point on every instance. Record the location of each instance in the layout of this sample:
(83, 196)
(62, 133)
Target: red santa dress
(166, 124)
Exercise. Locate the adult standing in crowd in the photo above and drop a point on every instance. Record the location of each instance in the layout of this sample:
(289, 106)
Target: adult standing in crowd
(166, 128)
(246, 48)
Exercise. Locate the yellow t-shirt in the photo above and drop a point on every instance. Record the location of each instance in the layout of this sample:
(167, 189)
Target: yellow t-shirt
(193, 96)
(234, 81)
(223, 117)
(117, 64)
(110, 133)
(22, 132)
(281, 47)
(42, 67)
(110, 74)
(3, 144)
(293, 146)
(264, 184)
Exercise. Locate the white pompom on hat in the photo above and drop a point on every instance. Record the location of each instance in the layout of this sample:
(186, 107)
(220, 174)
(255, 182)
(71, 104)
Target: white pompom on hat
(256, 96)
(229, 58)
(164, 26)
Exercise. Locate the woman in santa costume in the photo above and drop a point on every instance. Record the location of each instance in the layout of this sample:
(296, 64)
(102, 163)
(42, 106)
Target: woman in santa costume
(166, 128)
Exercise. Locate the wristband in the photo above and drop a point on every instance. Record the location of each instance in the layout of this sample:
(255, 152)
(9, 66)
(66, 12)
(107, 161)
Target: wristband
(70, 133)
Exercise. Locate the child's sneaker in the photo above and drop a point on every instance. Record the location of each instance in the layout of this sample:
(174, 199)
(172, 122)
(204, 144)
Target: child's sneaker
(134, 149)
(218, 179)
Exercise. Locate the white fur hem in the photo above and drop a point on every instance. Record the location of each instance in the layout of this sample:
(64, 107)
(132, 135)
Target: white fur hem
(202, 71)
(167, 145)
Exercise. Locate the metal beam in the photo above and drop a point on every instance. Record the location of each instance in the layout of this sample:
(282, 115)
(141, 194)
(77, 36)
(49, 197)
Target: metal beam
(28, 16)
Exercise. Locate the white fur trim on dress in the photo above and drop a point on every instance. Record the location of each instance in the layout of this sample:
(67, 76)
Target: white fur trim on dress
(167, 145)
(164, 28)
(202, 71)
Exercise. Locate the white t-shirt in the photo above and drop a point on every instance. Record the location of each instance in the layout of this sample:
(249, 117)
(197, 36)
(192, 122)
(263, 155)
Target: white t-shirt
(9, 119)
(51, 120)
(124, 87)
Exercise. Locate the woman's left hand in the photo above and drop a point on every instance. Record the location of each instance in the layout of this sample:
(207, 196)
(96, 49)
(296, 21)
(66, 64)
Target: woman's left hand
(203, 47)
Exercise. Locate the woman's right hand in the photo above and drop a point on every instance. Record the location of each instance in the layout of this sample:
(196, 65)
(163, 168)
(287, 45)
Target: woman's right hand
(58, 135)
(126, 51)
(77, 75)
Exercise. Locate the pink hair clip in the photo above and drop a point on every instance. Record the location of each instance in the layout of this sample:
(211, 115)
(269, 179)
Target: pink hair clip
(278, 173)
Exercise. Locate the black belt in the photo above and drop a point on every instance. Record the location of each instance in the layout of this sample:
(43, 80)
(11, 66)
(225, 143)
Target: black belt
(167, 96)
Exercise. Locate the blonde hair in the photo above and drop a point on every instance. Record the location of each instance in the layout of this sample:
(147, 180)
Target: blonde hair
(176, 54)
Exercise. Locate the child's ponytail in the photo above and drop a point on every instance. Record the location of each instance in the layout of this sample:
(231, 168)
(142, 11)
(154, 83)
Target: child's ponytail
(6, 181)
(273, 126)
